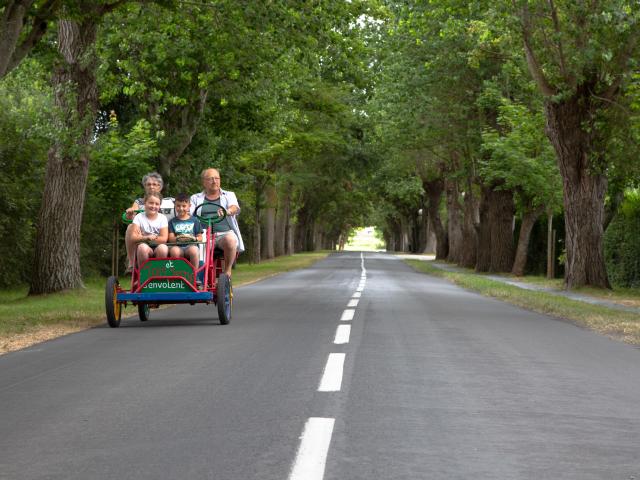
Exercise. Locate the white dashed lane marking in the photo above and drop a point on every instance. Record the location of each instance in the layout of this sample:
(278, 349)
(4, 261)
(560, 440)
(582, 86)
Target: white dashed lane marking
(315, 440)
(342, 334)
(347, 315)
(314, 446)
(332, 377)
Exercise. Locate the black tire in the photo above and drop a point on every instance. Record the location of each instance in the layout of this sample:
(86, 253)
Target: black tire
(143, 311)
(224, 298)
(113, 308)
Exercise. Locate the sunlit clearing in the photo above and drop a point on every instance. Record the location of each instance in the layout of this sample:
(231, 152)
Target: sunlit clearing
(367, 239)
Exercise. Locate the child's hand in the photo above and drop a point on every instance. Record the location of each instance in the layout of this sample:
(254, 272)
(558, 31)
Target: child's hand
(183, 238)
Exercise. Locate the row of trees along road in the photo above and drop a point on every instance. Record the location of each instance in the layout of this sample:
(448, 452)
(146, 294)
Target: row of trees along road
(270, 92)
(503, 108)
(322, 116)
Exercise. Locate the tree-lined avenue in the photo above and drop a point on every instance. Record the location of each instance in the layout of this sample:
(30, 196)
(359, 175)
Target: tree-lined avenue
(437, 382)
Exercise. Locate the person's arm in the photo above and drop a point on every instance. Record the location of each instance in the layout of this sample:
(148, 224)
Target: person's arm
(163, 236)
(172, 233)
(136, 233)
(193, 200)
(131, 211)
(233, 208)
(197, 229)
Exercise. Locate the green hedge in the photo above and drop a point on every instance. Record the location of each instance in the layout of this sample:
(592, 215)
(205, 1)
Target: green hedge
(622, 243)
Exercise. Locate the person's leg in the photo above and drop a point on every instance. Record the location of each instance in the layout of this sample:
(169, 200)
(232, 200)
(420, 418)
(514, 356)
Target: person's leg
(130, 245)
(144, 252)
(175, 251)
(191, 252)
(229, 243)
(161, 251)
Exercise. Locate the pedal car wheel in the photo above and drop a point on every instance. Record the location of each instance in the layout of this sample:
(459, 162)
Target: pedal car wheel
(143, 311)
(113, 308)
(224, 296)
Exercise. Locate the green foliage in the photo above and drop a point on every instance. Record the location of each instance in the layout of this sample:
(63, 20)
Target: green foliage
(622, 243)
(344, 107)
(25, 105)
(118, 163)
(519, 157)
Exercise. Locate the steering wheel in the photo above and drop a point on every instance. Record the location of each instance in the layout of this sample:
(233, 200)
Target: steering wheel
(124, 216)
(212, 216)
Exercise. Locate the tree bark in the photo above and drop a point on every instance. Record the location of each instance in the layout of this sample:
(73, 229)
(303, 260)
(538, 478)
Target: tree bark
(454, 223)
(282, 223)
(434, 191)
(529, 219)
(258, 187)
(57, 260)
(501, 212)
(584, 187)
(469, 235)
(269, 223)
(483, 229)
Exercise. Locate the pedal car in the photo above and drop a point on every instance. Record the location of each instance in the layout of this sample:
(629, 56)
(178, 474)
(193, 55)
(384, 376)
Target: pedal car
(160, 281)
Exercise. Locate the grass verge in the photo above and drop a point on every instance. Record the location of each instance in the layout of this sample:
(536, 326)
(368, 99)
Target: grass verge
(26, 320)
(620, 325)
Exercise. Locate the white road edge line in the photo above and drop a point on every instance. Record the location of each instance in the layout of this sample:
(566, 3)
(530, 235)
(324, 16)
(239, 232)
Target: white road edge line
(332, 377)
(356, 295)
(342, 334)
(314, 446)
(353, 302)
(347, 315)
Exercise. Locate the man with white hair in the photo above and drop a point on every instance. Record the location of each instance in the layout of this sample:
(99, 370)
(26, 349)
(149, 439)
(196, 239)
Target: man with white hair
(227, 232)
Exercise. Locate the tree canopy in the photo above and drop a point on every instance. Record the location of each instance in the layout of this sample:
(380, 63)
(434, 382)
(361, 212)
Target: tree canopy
(454, 127)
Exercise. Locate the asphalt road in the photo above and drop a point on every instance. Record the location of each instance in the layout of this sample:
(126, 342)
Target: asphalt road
(426, 381)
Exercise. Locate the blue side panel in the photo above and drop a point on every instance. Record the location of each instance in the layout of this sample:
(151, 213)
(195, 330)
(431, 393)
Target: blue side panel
(176, 297)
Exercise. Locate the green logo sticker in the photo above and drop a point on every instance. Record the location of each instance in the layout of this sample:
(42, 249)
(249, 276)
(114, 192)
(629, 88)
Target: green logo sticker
(157, 269)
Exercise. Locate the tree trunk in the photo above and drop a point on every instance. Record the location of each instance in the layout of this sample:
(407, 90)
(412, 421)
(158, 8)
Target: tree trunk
(57, 260)
(282, 222)
(304, 232)
(469, 235)
(483, 229)
(454, 222)
(269, 223)
(434, 191)
(432, 242)
(318, 238)
(550, 255)
(529, 219)
(258, 187)
(584, 187)
(389, 242)
(289, 227)
(501, 212)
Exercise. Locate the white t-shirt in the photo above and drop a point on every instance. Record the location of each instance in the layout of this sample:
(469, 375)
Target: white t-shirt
(148, 226)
